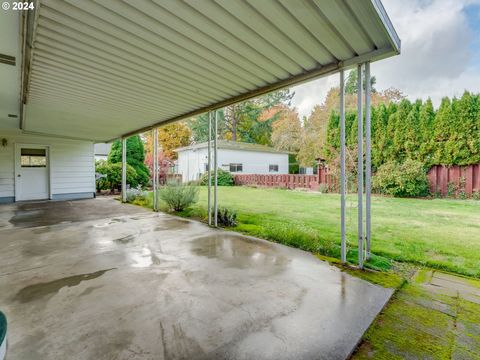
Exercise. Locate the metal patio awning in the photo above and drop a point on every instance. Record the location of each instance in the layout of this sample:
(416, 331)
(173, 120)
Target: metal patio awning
(101, 69)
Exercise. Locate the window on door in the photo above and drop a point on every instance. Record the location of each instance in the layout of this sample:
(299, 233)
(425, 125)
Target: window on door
(236, 167)
(273, 168)
(33, 158)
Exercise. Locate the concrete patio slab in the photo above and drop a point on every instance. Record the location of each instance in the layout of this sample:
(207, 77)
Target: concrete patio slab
(100, 280)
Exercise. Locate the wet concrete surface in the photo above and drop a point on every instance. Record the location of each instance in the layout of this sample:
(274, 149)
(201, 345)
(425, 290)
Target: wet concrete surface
(45, 213)
(132, 284)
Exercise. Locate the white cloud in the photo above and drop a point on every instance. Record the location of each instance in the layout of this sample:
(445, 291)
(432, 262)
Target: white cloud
(436, 59)
(312, 93)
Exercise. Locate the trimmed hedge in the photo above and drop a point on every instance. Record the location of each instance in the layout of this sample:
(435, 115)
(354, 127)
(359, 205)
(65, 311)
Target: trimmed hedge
(224, 178)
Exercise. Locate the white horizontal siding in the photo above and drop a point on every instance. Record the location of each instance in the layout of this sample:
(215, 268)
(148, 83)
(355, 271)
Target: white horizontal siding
(7, 187)
(72, 166)
(191, 164)
(253, 162)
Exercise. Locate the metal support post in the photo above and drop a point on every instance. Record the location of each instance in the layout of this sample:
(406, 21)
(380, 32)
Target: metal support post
(209, 168)
(155, 169)
(124, 169)
(360, 164)
(215, 170)
(342, 168)
(368, 160)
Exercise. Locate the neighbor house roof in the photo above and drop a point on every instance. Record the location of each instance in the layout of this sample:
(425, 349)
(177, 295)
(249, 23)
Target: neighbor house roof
(99, 70)
(233, 145)
(102, 149)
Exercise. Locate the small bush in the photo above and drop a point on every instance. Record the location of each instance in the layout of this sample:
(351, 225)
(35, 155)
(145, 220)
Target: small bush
(401, 180)
(476, 195)
(323, 188)
(178, 196)
(227, 217)
(224, 178)
(113, 178)
(462, 194)
(451, 189)
(137, 196)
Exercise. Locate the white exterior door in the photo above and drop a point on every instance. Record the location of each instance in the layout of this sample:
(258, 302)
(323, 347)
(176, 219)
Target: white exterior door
(31, 172)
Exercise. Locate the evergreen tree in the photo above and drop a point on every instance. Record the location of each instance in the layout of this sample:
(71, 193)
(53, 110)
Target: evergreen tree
(441, 134)
(135, 157)
(248, 121)
(388, 148)
(467, 149)
(413, 136)
(379, 134)
(406, 131)
(427, 120)
(352, 79)
(399, 127)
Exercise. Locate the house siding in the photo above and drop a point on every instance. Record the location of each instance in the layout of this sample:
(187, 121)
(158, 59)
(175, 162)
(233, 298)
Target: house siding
(191, 163)
(72, 166)
(253, 162)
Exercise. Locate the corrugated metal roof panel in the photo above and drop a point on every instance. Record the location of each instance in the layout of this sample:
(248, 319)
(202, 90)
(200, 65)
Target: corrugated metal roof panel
(105, 68)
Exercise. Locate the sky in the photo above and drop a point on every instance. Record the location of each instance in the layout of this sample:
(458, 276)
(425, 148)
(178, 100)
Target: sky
(440, 54)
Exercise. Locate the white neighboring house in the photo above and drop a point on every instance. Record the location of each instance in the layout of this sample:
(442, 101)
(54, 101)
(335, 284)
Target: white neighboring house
(102, 150)
(236, 157)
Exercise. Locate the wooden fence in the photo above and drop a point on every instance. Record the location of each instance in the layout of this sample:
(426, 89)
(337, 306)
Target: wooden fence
(444, 181)
(290, 181)
(454, 180)
(327, 179)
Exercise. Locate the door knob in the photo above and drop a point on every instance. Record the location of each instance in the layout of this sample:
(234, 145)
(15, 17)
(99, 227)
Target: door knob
(19, 175)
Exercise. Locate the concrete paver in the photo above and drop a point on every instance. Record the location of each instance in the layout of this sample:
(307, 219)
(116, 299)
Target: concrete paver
(432, 317)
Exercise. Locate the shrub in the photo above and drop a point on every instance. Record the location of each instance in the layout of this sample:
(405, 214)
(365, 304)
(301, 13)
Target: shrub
(476, 194)
(137, 195)
(408, 179)
(224, 178)
(113, 179)
(135, 157)
(462, 194)
(452, 189)
(178, 196)
(227, 217)
(323, 188)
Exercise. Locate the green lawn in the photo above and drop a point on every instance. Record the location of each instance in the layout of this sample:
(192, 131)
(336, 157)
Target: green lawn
(439, 233)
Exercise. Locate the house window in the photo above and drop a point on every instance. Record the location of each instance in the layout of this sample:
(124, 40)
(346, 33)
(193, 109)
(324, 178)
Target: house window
(273, 168)
(236, 167)
(33, 158)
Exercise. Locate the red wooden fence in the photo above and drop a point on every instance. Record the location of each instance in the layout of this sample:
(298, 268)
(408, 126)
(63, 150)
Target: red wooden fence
(327, 179)
(289, 181)
(463, 178)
